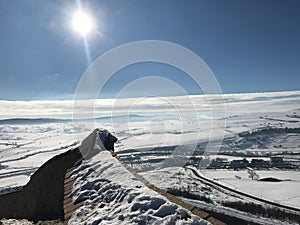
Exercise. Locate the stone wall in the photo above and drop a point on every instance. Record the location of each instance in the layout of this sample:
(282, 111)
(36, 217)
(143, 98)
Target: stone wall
(42, 197)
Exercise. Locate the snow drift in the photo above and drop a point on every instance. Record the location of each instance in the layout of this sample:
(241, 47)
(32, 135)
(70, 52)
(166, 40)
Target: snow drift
(113, 195)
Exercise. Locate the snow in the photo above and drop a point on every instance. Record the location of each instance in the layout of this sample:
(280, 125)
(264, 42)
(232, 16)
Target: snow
(24, 148)
(178, 178)
(113, 195)
(285, 192)
(150, 126)
(15, 222)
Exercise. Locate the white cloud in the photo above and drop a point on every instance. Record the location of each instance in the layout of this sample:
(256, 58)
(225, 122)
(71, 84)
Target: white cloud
(156, 105)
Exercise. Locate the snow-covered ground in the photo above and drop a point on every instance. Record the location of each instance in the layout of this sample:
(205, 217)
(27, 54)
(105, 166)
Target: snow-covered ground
(24, 148)
(174, 179)
(153, 125)
(285, 192)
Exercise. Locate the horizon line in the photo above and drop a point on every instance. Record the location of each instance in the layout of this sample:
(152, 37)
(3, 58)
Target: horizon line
(166, 96)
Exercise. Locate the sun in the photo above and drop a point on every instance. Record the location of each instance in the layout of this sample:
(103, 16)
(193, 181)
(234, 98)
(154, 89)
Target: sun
(82, 23)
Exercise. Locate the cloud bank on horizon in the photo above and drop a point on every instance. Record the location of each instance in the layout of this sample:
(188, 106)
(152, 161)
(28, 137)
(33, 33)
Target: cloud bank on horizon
(153, 106)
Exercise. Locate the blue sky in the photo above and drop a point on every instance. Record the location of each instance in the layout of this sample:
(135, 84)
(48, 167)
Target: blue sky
(251, 46)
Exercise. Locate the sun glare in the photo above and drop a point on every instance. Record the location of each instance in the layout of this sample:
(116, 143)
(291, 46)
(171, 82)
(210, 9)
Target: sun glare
(82, 23)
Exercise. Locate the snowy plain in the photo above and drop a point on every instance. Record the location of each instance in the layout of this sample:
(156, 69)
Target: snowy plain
(286, 192)
(149, 125)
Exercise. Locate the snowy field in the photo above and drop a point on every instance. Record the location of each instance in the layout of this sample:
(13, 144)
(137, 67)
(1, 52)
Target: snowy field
(285, 192)
(151, 126)
(25, 147)
(174, 179)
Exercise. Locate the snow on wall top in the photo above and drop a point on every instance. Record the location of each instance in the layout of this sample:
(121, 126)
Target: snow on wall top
(113, 195)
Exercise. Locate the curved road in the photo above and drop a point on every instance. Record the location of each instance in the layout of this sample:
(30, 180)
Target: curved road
(236, 192)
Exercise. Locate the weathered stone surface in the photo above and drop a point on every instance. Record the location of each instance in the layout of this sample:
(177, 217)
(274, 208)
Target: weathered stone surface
(42, 198)
(47, 193)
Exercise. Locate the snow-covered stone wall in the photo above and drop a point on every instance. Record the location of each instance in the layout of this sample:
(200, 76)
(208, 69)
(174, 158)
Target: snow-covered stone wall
(113, 195)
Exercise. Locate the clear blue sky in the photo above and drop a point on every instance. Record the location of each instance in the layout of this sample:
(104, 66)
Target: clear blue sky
(251, 46)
